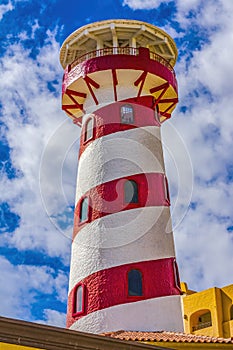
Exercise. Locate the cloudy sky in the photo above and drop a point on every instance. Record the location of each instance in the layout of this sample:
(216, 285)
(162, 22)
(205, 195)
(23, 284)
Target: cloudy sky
(39, 145)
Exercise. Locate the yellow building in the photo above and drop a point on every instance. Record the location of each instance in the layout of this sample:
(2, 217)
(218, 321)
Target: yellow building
(21, 335)
(209, 312)
(208, 321)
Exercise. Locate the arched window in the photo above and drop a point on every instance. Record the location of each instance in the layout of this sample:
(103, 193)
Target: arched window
(78, 299)
(201, 319)
(157, 114)
(176, 274)
(130, 191)
(231, 312)
(127, 114)
(134, 283)
(83, 215)
(88, 131)
(166, 190)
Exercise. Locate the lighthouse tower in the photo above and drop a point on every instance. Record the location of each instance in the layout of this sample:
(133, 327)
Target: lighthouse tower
(119, 86)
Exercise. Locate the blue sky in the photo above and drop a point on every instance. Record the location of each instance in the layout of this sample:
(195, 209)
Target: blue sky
(39, 146)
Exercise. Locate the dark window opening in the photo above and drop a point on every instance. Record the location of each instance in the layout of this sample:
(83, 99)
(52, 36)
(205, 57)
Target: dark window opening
(203, 321)
(130, 192)
(231, 312)
(134, 283)
(157, 116)
(166, 190)
(176, 273)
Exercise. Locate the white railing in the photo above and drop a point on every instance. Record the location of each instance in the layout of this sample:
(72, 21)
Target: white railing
(119, 51)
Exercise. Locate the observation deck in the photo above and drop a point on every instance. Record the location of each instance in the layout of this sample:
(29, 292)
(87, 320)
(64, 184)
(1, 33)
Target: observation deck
(117, 33)
(116, 55)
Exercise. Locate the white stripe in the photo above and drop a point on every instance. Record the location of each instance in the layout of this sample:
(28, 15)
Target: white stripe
(118, 155)
(158, 314)
(134, 235)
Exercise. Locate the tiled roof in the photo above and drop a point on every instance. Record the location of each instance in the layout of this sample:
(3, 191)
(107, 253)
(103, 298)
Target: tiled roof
(166, 337)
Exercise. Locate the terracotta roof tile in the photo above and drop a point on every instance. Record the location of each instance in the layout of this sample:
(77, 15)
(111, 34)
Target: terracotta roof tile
(165, 336)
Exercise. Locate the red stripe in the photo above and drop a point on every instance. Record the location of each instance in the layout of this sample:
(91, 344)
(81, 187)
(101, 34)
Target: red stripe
(109, 62)
(108, 119)
(109, 287)
(108, 198)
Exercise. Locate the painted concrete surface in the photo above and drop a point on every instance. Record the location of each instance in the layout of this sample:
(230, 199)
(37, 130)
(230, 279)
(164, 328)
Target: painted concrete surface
(120, 154)
(136, 235)
(148, 315)
(109, 287)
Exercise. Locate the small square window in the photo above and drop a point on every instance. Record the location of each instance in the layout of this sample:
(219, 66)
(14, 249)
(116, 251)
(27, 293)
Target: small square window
(127, 114)
(130, 191)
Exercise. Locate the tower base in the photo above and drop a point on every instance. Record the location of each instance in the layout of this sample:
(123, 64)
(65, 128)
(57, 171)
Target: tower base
(156, 314)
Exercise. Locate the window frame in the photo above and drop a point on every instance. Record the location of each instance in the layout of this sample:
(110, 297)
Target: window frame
(127, 105)
(176, 276)
(195, 320)
(231, 312)
(157, 114)
(80, 210)
(85, 139)
(76, 313)
(137, 193)
(142, 284)
(166, 190)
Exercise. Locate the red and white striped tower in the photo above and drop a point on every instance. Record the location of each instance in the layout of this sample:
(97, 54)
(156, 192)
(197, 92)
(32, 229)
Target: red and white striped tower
(119, 86)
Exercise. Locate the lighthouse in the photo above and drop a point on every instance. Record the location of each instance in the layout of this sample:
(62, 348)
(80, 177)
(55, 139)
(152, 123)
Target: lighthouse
(119, 86)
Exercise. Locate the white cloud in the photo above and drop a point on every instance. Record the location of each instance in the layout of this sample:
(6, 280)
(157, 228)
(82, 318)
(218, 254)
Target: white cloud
(31, 112)
(22, 285)
(204, 244)
(5, 8)
(24, 35)
(42, 148)
(207, 14)
(144, 4)
(53, 318)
